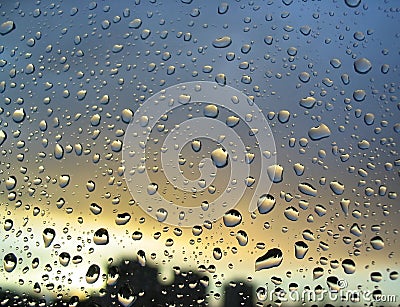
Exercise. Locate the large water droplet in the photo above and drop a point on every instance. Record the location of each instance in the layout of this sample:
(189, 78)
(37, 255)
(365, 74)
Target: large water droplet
(242, 238)
(300, 249)
(223, 8)
(272, 258)
(10, 262)
(217, 253)
(211, 110)
(265, 203)
(135, 24)
(291, 213)
(320, 132)
(376, 276)
(352, 3)
(161, 215)
(101, 237)
(19, 115)
(92, 274)
(64, 180)
(307, 189)
(362, 65)
(337, 187)
(262, 294)
(48, 236)
(58, 151)
(232, 121)
(377, 243)
(64, 258)
(141, 257)
(196, 145)
(122, 218)
(222, 42)
(220, 157)
(349, 266)
(318, 272)
(126, 296)
(152, 188)
(95, 208)
(308, 102)
(11, 182)
(275, 173)
(334, 284)
(232, 218)
(6, 27)
(8, 224)
(3, 137)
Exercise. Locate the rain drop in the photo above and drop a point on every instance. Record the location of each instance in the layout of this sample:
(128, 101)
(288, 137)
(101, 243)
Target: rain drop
(92, 274)
(220, 157)
(300, 249)
(265, 203)
(232, 218)
(10, 262)
(48, 236)
(362, 65)
(272, 258)
(101, 237)
(222, 42)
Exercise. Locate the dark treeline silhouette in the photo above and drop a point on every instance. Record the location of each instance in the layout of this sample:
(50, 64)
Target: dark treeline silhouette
(132, 285)
(238, 294)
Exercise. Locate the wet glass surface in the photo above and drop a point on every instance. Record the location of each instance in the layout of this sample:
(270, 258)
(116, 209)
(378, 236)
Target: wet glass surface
(199, 153)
